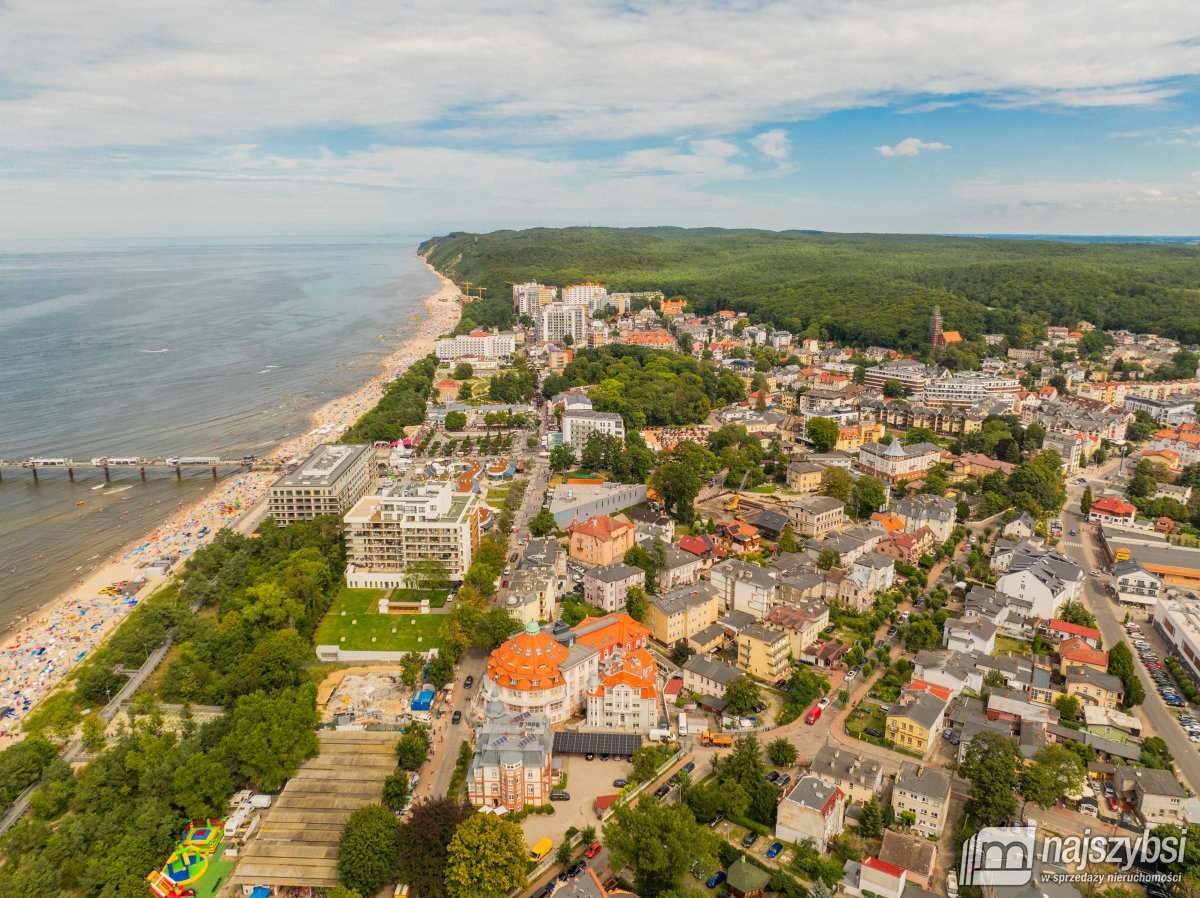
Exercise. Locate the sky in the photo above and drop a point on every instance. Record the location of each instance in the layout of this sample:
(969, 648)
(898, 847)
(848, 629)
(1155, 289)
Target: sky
(136, 118)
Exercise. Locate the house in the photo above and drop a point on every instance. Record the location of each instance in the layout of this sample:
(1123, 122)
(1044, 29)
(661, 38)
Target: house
(1058, 631)
(651, 523)
(804, 477)
(879, 571)
(974, 465)
(1134, 585)
(763, 652)
(817, 516)
(770, 524)
(600, 540)
(802, 623)
(533, 593)
(826, 654)
(1021, 527)
(447, 389)
(969, 633)
(679, 568)
(1075, 651)
(896, 463)
(739, 537)
(858, 776)
(681, 613)
(747, 880)
(606, 586)
(1111, 510)
(1094, 688)
(916, 856)
(908, 547)
(706, 676)
(1155, 794)
(624, 695)
(704, 547)
(873, 877)
(1041, 579)
(925, 793)
(915, 720)
(812, 809)
(935, 512)
(744, 587)
(511, 766)
(887, 521)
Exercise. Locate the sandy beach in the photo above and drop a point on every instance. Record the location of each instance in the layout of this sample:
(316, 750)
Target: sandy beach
(39, 651)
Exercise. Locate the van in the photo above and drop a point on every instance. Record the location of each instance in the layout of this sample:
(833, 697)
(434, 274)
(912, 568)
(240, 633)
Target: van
(683, 729)
(813, 716)
(539, 851)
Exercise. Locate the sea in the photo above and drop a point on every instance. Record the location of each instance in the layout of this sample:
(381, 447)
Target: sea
(153, 349)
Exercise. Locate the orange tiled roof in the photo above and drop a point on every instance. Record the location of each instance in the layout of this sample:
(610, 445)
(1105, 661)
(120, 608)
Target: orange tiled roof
(601, 527)
(1076, 649)
(527, 659)
(890, 522)
(612, 631)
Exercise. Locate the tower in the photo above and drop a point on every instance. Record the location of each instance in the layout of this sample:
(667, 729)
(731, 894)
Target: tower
(936, 339)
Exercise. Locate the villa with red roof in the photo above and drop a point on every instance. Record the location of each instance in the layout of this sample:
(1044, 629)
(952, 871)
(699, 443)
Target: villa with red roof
(1075, 652)
(600, 540)
(1111, 510)
(1062, 630)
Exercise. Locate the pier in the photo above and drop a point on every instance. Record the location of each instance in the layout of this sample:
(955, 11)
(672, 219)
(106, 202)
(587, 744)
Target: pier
(106, 464)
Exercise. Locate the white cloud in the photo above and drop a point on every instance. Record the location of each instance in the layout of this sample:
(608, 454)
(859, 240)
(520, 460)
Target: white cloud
(773, 144)
(911, 146)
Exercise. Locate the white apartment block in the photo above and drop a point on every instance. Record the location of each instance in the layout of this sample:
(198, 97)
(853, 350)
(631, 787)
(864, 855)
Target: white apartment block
(559, 320)
(386, 533)
(594, 296)
(329, 481)
(477, 344)
(528, 299)
(969, 388)
(577, 426)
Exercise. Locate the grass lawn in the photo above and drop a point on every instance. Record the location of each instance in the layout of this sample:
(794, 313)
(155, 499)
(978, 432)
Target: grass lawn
(218, 870)
(1006, 646)
(414, 632)
(866, 716)
(766, 489)
(437, 597)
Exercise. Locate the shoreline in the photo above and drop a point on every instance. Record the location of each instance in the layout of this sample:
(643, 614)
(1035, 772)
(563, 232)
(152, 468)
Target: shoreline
(40, 650)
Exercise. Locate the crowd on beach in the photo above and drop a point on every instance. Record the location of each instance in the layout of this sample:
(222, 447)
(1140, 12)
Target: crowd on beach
(38, 653)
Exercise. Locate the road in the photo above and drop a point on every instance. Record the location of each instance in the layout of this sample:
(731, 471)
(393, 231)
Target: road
(1109, 620)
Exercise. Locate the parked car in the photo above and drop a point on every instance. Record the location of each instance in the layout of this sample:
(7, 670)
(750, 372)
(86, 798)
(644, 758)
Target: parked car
(823, 703)
(468, 682)
(593, 850)
(559, 795)
(717, 819)
(716, 879)
(750, 839)
(772, 776)
(620, 784)
(813, 716)
(661, 792)
(784, 779)
(576, 868)
(774, 850)
(871, 731)
(456, 718)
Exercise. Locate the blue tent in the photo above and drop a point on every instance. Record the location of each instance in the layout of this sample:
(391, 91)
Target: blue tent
(423, 701)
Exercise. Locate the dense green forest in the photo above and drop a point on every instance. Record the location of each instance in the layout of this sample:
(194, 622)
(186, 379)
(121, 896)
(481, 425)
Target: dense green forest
(861, 289)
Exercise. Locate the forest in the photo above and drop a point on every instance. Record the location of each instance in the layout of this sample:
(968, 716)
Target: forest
(859, 289)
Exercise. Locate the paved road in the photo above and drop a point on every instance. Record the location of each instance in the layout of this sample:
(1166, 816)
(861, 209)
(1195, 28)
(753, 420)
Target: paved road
(1084, 550)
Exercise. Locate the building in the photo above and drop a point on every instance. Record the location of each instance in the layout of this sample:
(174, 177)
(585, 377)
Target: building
(1022, 526)
(747, 880)
(967, 389)
(682, 613)
(1060, 630)
(624, 696)
(1171, 411)
(802, 622)
(1039, 580)
(745, 587)
(911, 376)
(511, 766)
(924, 792)
(600, 540)
(528, 299)
(679, 569)
(330, 481)
(409, 523)
(707, 676)
(896, 463)
(858, 776)
(577, 426)
(908, 547)
(1177, 621)
(532, 671)
(917, 857)
(1134, 585)
(579, 501)
(817, 515)
(812, 809)
(477, 344)
(935, 512)
(1155, 794)
(969, 633)
(804, 477)
(1094, 688)
(763, 653)
(914, 721)
(594, 296)
(532, 594)
(1111, 510)
(1074, 652)
(606, 586)
(558, 321)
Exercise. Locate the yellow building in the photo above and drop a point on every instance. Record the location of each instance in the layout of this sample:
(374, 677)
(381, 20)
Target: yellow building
(681, 614)
(914, 720)
(763, 653)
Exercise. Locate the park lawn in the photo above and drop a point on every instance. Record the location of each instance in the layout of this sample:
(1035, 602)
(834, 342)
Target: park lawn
(766, 489)
(437, 597)
(414, 632)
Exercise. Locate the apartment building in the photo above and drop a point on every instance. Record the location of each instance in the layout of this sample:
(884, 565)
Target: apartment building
(528, 299)
(896, 463)
(912, 376)
(925, 792)
(407, 523)
(680, 614)
(742, 586)
(511, 766)
(817, 516)
(763, 653)
(606, 586)
(330, 481)
(559, 320)
(969, 388)
(578, 425)
(477, 344)
(804, 477)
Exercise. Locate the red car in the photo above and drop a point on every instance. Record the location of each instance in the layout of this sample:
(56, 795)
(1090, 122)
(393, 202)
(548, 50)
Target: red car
(813, 716)
(1112, 804)
(593, 850)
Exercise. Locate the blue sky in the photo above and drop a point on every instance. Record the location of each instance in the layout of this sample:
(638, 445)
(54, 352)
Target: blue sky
(315, 116)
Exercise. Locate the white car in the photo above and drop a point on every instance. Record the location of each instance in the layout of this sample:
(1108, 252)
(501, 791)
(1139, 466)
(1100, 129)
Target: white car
(823, 704)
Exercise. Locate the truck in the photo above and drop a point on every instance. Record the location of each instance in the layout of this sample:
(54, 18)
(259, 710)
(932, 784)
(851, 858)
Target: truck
(660, 735)
(710, 738)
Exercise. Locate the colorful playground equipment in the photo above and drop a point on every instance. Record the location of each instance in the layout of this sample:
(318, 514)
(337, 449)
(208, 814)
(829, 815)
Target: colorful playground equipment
(189, 862)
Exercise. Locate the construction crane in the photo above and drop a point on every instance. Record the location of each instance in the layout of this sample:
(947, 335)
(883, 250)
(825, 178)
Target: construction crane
(466, 289)
(732, 504)
(481, 291)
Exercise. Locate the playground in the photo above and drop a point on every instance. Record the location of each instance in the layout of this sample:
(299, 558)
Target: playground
(197, 868)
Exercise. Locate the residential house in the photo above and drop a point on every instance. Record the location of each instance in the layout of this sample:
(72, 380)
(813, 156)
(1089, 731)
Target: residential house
(802, 623)
(969, 633)
(873, 877)
(704, 547)
(763, 652)
(1020, 527)
(914, 721)
(916, 856)
(1075, 651)
(532, 593)
(804, 477)
(744, 587)
(897, 463)
(624, 695)
(511, 766)
(739, 538)
(1134, 585)
(1155, 794)
(770, 524)
(707, 676)
(1058, 631)
(1093, 688)
(606, 586)
(679, 568)
(925, 792)
(887, 521)
(812, 809)
(745, 880)
(1111, 510)
(817, 516)
(1042, 578)
(908, 547)
(858, 776)
(682, 613)
(600, 540)
(935, 512)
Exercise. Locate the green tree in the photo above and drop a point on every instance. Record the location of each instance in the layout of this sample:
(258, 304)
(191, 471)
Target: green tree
(744, 768)
(486, 858)
(424, 842)
(411, 665)
(1156, 754)
(636, 603)
(837, 483)
(828, 559)
(1067, 706)
(413, 747)
(1120, 665)
(870, 823)
(1075, 612)
(395, 791)
(463, 371)
(1056, 771)
(677, 483)
(869, 496)
(991, 765)
(893, 389)
(542, 523)
(788, 541)
(270, 736)
(781, 752)
(646, 761)
(456, 421)
(1085, 501)
(440, 670)
(822, 433)
(565, 854)
(922, 634)
(493, 628)
(742, 696)
(561, 458)
(367, 849)
(659, 843)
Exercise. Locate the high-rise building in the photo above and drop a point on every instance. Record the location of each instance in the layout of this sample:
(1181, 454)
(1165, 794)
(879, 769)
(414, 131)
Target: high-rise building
(329, 481)
(577, 426)
(528, 299)
(559, 320)
(594, 296)
(477, 344)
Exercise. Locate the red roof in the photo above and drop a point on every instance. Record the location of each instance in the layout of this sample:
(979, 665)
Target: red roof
(874, 863)
(1063, 626)
(932, 688)
(1075, 649)
(601, 527)
(695, 544)
(1111, 505)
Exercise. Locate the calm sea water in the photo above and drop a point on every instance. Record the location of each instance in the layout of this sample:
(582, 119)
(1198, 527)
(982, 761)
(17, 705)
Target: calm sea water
(256, 335)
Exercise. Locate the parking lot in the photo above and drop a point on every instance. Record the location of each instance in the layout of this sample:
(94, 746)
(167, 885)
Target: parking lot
(585, 781)
(1146, 646)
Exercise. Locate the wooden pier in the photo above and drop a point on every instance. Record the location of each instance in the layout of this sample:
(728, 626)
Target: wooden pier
(107, 464)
